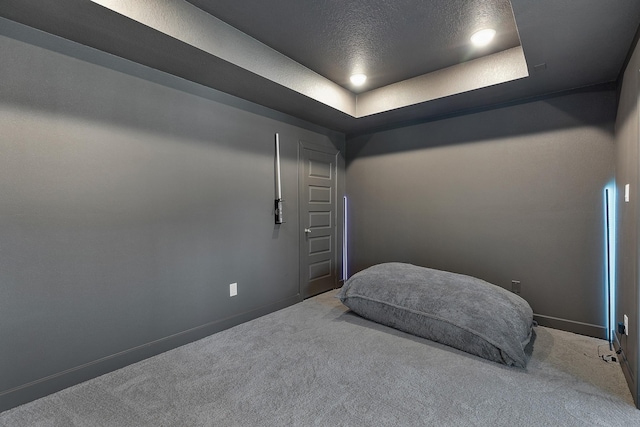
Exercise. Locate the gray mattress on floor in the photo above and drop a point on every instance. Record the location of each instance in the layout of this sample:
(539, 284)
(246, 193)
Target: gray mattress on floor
(453, 309)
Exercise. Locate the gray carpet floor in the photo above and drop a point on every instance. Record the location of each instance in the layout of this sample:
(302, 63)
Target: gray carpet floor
(317, 364)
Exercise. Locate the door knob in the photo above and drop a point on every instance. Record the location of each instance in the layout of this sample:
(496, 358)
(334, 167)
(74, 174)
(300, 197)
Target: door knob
(307, 230)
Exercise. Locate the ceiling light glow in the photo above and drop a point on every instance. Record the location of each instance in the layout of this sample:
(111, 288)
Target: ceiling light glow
(483, 37)
(358, 79)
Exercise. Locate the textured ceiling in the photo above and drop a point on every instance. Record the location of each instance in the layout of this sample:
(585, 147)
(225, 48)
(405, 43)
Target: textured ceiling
(282, 50)
(389, 40)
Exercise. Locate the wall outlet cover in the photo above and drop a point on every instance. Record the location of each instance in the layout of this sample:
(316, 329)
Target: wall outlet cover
(626, 325)
(626, 192)
(233, 289)
(515, 286)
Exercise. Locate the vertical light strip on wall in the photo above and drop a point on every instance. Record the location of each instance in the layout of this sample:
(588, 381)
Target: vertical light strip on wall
(345, 275)
(610, 257)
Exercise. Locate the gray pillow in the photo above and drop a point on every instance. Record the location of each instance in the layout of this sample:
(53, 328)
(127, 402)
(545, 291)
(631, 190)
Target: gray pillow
(457, 310)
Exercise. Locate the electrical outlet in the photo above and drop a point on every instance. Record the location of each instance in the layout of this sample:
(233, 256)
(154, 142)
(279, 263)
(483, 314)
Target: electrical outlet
(626, 325)
(515, 286)
(233, 289)
(626, 193)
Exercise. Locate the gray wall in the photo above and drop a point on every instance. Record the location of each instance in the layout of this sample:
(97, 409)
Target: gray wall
(131, 199)
(514, 193)
(627, 164)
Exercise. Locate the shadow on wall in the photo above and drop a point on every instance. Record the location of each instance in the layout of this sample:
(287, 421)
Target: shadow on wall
(76, 80)
(514, 193)
(480, 126)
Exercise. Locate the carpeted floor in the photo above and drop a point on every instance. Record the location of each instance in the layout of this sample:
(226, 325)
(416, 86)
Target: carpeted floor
(316, 364)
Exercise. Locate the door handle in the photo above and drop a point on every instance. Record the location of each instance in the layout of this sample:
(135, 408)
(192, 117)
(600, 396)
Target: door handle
(307, 230)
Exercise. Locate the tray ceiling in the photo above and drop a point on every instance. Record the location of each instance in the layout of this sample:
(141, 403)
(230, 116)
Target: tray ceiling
(296, 57)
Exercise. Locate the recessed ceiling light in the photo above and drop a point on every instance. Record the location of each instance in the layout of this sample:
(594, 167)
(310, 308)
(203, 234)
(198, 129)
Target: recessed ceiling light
(483, 37)
(358, 79)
